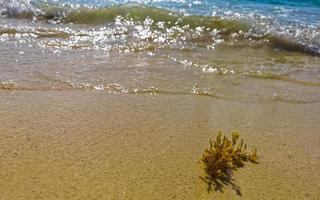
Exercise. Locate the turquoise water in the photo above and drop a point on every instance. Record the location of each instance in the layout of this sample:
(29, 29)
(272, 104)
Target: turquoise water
(288, 10)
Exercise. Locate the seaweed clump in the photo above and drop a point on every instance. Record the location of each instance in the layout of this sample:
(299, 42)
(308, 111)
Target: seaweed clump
(222, 157)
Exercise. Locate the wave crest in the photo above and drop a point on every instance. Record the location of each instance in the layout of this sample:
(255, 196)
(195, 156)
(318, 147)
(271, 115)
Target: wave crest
(199, 30)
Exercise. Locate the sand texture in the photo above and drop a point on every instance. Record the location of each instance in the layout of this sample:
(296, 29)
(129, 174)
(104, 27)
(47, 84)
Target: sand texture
(92, 145)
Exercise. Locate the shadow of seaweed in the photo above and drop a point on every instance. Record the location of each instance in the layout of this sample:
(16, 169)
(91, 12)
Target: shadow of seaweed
(221, 181)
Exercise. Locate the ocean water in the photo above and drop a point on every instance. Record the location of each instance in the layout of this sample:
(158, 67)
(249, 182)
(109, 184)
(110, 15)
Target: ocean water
(252, 51)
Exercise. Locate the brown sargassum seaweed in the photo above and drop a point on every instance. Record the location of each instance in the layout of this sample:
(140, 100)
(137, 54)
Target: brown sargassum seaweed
(222, 157)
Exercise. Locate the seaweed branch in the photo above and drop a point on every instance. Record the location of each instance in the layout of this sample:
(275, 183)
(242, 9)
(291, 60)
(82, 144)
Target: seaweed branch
(222, 157)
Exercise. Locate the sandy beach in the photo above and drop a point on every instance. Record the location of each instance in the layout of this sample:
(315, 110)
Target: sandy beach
(93, 145)
(118, 99)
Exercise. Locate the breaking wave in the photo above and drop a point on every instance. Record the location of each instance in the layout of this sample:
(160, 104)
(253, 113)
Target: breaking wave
(203, 28)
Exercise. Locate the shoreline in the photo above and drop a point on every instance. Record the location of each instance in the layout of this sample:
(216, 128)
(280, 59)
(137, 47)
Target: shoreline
(91, 145)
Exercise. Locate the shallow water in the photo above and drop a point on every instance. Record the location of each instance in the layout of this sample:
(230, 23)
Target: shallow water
(225, 74)
(136, 49)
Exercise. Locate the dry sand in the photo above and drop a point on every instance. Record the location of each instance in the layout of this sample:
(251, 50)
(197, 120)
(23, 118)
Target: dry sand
(93, 145)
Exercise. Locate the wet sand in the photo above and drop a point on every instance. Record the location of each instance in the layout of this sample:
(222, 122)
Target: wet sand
(93, 145)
